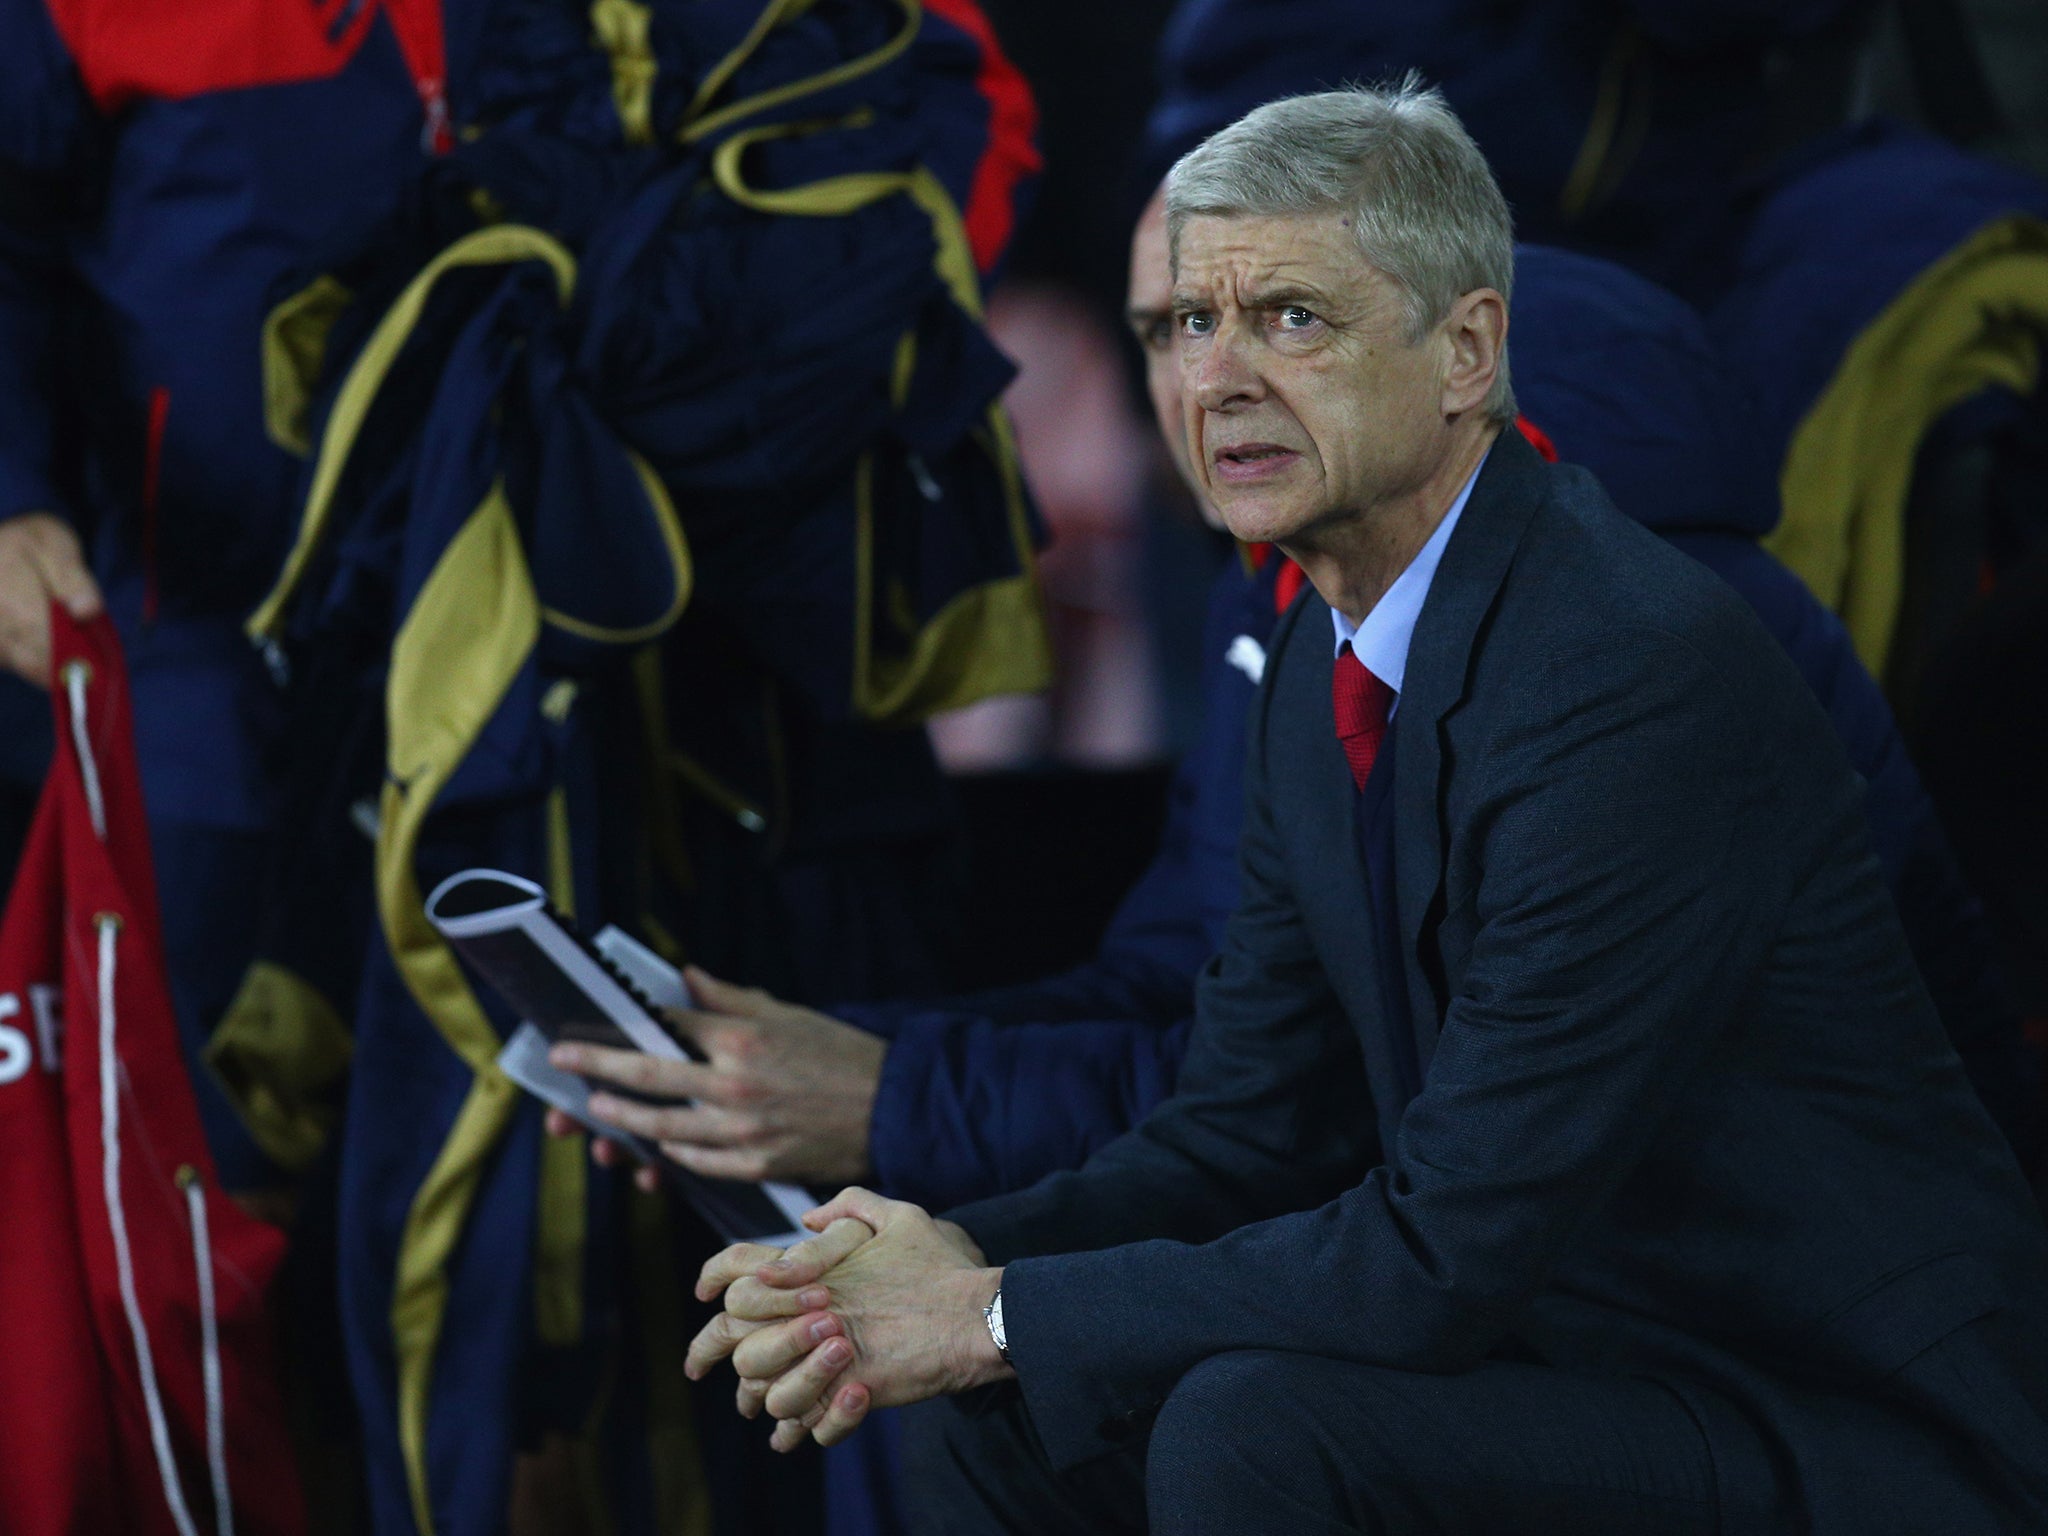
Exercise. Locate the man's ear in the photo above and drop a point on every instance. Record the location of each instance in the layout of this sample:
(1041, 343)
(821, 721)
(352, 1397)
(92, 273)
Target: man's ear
(1477, 331)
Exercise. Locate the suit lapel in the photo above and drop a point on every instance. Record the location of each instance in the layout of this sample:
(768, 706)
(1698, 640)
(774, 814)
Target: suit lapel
(1511, 484)
(1309, 761)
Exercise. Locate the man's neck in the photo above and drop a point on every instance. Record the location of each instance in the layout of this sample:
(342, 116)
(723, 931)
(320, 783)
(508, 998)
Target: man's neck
(1352, 564)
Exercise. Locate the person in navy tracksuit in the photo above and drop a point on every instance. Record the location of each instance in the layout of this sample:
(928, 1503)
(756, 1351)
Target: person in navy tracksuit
(156, 188)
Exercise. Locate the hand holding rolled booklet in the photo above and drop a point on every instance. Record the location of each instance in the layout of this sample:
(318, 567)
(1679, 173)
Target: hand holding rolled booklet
(608, 990)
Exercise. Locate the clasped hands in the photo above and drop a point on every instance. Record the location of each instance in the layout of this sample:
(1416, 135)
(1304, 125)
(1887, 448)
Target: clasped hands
(883, 1307)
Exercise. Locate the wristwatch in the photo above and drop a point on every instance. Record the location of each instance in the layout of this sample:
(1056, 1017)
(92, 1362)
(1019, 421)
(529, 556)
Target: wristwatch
(992, 1314)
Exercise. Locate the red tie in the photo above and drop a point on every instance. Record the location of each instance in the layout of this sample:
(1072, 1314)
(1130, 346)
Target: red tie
(1360, 702)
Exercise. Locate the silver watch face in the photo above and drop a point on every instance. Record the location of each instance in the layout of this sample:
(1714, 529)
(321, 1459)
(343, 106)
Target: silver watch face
(993, 1312)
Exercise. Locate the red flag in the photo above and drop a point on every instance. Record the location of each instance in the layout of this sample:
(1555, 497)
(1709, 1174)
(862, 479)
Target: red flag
(138, 1392)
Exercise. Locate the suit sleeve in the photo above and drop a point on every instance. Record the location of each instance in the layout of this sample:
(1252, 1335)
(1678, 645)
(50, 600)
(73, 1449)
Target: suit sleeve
(44, 122)
(967, 1109)
(1147, 978)
(1633, 865)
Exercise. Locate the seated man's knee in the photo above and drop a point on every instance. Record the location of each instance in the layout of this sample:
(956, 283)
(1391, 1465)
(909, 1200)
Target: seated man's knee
(975, 1464)
(967, 1461)
(1241, 1434)
(1245, 1382)
(939, 1439)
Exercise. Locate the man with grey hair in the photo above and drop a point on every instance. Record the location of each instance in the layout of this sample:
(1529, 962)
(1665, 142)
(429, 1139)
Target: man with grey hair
(1566, 1143)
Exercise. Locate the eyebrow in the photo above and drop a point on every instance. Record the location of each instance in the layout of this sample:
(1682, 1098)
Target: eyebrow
(1285, 293)
(1264, 298)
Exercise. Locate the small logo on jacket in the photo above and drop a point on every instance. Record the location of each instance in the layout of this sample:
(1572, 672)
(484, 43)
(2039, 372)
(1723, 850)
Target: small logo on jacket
(1248, 656)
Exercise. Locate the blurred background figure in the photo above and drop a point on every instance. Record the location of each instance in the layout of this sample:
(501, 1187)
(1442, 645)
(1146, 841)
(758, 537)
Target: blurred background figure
(1085, 453)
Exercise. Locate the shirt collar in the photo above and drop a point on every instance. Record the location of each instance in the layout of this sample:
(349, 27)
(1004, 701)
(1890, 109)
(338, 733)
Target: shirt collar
(1381, 639)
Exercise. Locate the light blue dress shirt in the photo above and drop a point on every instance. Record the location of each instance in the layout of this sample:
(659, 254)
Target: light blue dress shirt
(1381, 639)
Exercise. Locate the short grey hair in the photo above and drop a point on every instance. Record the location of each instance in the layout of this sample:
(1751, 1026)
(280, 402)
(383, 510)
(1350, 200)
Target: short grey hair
(1422, 201)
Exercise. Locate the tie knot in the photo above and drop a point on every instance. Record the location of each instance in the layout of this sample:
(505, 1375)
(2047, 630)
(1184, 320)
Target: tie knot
(1358, 698)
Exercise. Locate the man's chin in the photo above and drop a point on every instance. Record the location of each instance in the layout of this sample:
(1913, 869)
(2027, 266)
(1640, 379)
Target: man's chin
(1258, 520)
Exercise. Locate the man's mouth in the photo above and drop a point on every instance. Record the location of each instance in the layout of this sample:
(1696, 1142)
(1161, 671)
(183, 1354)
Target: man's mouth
(1250, 461)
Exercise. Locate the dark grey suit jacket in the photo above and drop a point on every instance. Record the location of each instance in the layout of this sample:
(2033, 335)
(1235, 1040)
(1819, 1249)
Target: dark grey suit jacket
(1685, 1108)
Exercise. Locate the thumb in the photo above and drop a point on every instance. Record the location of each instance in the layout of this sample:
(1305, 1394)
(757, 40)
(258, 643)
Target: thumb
(812, 1258)
(861, 1204)
(60, 565)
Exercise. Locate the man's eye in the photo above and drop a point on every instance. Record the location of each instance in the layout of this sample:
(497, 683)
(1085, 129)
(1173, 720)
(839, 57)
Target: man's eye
(1158, 336)
(1198, 323)
(1294, 318)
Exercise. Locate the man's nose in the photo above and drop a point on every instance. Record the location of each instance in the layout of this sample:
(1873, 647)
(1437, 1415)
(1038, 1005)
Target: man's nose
(1219, 373)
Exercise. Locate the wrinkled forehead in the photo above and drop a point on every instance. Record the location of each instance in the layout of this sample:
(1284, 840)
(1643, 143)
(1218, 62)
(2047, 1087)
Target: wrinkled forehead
(1235, 257)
